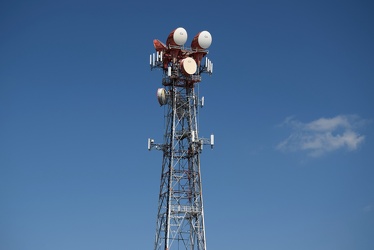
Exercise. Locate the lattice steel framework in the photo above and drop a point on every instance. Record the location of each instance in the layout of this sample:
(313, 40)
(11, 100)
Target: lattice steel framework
(180, 215)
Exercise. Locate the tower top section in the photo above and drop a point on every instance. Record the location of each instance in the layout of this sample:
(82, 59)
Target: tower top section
(184, 64)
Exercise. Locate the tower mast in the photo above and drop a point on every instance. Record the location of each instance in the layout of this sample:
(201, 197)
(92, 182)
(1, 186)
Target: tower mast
(180, 214)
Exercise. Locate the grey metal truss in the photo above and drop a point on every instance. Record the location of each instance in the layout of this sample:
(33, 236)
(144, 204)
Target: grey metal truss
(180, 215)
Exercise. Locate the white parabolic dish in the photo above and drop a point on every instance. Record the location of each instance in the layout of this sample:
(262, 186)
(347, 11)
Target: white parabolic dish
(205, 39)
(180, 36)
(202, 40)
(188, 65)
(161, 96)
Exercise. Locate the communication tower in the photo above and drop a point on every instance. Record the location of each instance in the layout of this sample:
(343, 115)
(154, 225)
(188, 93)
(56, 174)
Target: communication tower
(180, 215)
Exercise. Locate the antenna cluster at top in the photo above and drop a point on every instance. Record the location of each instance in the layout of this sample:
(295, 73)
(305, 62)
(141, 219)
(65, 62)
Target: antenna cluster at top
(177, 60)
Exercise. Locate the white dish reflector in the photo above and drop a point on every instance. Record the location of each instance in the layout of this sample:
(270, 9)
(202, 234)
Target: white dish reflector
(202, 40)
(161, 96)
(177, 37)
(188, 66)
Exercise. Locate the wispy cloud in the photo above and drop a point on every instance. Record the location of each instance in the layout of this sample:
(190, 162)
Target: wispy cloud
(323, 135)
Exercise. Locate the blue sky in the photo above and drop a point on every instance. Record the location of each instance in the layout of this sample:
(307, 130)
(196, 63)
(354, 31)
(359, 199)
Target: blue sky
(290, 103)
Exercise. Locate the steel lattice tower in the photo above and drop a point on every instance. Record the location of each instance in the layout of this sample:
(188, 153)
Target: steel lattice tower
(180, 216)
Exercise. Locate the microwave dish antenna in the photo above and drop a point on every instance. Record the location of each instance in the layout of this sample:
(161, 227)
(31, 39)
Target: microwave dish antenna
(177, 37)
(202, 40)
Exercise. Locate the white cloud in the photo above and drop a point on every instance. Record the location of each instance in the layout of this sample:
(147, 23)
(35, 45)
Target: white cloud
(323, 135)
